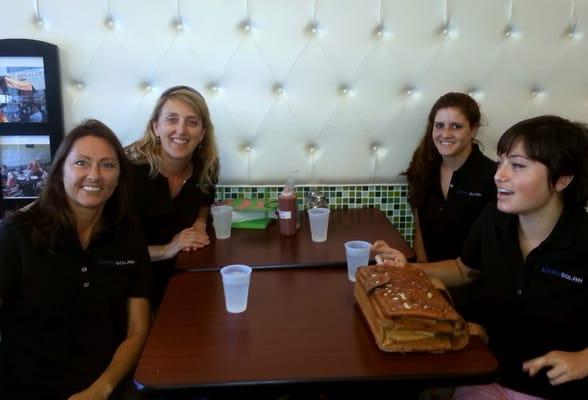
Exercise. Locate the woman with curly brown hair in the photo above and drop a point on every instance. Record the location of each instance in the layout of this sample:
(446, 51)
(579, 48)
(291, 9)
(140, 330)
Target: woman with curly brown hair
(450, 183)
(450, 180)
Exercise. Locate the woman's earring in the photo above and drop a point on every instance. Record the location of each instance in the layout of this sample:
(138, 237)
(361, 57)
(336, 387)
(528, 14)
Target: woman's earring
(157, 140)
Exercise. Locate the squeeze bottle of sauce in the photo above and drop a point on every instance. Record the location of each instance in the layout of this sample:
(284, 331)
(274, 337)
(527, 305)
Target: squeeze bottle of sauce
(287, 209)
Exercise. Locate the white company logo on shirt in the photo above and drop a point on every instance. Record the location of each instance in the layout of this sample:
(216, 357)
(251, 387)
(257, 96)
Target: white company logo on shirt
(468, 194)
(118, 263)
(563, 275)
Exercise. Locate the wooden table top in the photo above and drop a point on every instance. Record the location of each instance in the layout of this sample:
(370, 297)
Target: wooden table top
(268, 249)
(301, 326)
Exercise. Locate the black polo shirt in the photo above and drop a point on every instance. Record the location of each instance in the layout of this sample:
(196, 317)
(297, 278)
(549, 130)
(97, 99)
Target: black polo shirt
(535, 306)
(64, 312)
(446, 223)
(162, 217)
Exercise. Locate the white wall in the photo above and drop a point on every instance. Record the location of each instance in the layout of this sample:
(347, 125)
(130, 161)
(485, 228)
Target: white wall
(358, 98)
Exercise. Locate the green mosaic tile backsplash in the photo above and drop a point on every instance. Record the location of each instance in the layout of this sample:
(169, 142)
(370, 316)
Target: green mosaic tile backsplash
(391, 199)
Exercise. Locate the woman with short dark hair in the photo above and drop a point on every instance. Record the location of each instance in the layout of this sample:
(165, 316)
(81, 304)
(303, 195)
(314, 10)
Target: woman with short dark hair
(528, 254)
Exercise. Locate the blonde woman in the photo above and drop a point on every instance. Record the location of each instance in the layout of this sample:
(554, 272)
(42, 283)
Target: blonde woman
(175, 168)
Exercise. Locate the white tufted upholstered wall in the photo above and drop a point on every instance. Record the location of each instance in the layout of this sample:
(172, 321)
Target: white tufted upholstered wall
(330, 91)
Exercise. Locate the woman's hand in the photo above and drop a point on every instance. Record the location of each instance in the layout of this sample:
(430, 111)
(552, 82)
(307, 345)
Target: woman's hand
(385, 255)
(186, 240)
(201, 236)
(563, 366)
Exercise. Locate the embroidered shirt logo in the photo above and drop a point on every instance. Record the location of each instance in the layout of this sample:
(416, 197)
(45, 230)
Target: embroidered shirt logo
(469, 194)
(118, 263)
(563, 275)
(124, 262)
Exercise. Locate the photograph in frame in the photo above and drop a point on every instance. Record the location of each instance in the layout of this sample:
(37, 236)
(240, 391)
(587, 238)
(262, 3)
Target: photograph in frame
(22, 90)
(25, 161)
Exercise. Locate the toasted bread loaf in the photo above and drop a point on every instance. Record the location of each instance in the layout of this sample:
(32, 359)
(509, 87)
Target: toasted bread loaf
(406, 312)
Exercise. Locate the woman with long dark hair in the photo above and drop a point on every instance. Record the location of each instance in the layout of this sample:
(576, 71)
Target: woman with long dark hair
(450, 180)
(74, 278)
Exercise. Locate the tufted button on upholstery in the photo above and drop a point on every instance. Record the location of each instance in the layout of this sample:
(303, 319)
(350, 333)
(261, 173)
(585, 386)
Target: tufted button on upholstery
(278, 89)
(537, 92)
(511, 32)
(247, 26)
(110, 22)
(314, 29)
(178, 24)
(345, 90)
(213, 87)
(39, 21)
(247, 147)
(475, 93)
(448, 30)
(146, 86)
(382, 32)
(410, 91)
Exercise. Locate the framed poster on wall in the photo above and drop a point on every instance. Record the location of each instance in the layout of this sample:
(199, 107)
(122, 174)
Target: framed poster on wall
(31, 117)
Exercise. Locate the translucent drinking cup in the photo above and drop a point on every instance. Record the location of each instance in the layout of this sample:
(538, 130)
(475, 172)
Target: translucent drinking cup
(236, 280)
(357, 253)
(221, 219)
(319, 223)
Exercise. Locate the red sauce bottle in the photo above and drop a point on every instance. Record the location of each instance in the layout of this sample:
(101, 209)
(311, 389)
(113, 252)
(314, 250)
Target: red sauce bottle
(288, 210)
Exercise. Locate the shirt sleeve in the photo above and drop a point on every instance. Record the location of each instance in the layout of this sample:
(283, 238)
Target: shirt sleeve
(10, 267)
(471, 252)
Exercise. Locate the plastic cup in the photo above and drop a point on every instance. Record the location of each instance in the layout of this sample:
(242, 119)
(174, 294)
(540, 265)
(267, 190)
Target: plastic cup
(357, 253)
(319, 223)
(221, 219)
(236, 280)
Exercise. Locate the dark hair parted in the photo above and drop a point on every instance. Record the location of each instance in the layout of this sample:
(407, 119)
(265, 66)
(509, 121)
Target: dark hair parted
(559, 144)
(426, 160)
(51, 215)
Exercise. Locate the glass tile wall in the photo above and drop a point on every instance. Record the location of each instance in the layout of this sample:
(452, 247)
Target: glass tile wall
(391, 199)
